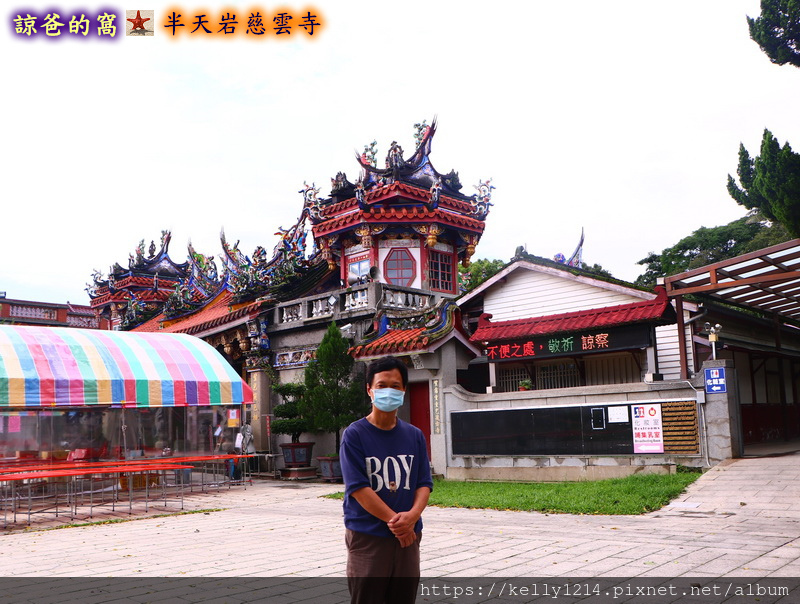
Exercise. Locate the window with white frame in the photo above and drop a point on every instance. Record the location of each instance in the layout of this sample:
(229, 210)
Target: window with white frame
(359, 268)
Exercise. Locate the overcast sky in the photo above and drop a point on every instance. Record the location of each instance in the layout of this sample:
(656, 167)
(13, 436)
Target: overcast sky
(621, 117)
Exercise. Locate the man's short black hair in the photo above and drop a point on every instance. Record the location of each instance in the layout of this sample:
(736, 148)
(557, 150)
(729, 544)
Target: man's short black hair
(387, 364)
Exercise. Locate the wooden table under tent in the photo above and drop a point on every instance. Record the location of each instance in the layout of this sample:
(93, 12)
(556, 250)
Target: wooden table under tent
(91, 417)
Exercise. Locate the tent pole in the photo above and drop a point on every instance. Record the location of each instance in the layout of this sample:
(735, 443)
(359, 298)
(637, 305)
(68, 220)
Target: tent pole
(124, 429)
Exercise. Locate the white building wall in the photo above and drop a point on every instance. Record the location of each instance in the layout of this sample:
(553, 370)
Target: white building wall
(530, 293)
(386, 246)
(669, 359)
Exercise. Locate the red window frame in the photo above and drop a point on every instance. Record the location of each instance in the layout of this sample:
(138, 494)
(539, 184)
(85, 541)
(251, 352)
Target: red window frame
(436, 279)
(395, 262)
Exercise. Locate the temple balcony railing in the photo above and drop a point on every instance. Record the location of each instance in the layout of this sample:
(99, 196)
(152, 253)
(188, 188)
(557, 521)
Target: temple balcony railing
(321, 307)
(353, 303)
(357, 298)
(404, 298)
(34, 312)
(83, 321)
(291, 313)
(24, 312)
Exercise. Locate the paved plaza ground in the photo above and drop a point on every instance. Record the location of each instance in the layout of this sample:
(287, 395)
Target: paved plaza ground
(740, 519)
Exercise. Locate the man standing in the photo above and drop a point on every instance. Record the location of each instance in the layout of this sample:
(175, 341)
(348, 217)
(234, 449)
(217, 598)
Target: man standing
(387, 479)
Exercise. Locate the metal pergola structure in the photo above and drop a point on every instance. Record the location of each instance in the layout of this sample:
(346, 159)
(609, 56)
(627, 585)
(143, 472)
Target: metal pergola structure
(767, 280)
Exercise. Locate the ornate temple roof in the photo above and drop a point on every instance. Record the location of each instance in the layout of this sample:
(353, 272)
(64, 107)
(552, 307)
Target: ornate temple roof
(407, 197)
(417, 332)
(417, 170)
(221, 311)
(152, 276)
(406, 193)
(188, 290)
(346, 221)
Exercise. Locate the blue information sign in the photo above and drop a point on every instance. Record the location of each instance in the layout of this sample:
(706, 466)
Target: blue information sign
(715, 381)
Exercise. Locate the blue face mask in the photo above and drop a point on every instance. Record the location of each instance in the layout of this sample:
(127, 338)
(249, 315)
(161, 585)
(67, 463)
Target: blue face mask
(388, 399)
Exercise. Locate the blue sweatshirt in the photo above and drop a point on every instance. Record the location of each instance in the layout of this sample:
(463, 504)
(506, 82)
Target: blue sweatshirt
(393, 463)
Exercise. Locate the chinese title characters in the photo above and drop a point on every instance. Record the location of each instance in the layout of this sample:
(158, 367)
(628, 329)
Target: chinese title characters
(552, 346)
(253, 24)
(53, 25)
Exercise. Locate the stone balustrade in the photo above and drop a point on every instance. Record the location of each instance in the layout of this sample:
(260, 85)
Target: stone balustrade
(321, 307)
(354, 300)
(400, 299)
(291, 313)
(366, 298)
(33, 312)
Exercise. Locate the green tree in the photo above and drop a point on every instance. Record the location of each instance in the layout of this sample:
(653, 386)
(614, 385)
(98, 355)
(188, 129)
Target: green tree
(770, 183)
(704, 246)
(333, 398)
(596, 269)
(777, 30)
(291, 420)
(478, 272)
(767, 236)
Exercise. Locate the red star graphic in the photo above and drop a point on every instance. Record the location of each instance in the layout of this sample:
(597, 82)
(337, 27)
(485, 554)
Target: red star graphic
(138, 22)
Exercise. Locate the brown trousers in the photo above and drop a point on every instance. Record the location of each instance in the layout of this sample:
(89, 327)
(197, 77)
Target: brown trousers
(379, 571)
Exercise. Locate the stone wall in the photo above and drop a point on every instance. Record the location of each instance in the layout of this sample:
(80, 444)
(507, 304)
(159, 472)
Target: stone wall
(717, 423)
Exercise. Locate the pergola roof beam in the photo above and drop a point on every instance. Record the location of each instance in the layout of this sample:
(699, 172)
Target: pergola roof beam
(767, 280)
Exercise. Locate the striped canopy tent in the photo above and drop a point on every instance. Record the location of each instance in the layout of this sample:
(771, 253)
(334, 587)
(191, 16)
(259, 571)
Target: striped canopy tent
(63, 367)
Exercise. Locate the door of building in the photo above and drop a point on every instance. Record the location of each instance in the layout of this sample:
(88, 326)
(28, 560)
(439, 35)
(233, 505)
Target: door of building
(421, 409)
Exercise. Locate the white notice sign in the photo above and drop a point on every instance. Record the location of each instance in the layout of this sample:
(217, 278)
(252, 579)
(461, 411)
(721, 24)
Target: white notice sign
(618, 415)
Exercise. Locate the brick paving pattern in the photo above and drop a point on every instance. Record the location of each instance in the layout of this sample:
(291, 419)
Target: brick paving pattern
(739, 519)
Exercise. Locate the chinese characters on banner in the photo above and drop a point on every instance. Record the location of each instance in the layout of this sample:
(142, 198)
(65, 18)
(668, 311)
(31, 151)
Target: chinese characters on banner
(549, 346)
(437, 409)
(56, 24)
(648, 436)
(626, 337)
(252, 24)
(510, 351)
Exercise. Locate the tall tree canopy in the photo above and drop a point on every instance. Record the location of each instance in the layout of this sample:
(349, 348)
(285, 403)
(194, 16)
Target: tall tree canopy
(596, 269)
(777, 30)
(707, 245)
(770, 183)
(478, 272)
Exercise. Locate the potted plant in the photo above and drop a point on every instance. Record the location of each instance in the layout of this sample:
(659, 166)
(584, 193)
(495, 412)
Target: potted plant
(333, 399)
(296, 454)
(330, 468)
(525, 385)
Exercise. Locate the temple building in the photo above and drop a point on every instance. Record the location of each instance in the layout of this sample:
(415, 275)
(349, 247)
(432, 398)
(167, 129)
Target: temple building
(582, 376)
(382, 262)
(550, 325)
(30, 312)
